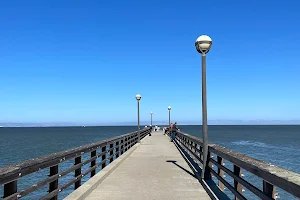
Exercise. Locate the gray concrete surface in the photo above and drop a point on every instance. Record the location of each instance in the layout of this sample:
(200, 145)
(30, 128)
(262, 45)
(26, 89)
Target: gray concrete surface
(84, 190)
(154, 170)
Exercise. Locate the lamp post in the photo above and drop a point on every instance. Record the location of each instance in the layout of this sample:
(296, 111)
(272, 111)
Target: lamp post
(203, 45)
(151, 113)
(138, 98)
(169, 108)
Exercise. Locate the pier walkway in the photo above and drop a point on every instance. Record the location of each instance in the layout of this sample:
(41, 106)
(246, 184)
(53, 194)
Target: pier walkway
(154, 169)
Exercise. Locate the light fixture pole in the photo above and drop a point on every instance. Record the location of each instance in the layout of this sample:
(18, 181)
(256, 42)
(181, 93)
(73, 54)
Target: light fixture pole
(138, 98)
(151, 113)
(203, 45)
(169, 108)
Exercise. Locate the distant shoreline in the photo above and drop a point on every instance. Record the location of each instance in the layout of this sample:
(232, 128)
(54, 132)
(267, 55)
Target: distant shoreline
(87, 126)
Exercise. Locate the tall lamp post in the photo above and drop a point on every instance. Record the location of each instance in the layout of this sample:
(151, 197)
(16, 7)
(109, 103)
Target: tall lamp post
(169, 108)
(203, 45)
(138, 98)
(151, 113)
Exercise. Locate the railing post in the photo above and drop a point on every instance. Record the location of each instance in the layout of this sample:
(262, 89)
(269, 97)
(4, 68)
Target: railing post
(126, 143)
(117, 149)
(221, 173)
(180, 139)
(77, 184)
(93, 163)
(135, 140)
(54, 184)
(111, 152)
(238, 172)
(129, 142)
(201, 155)
(192, 150)
(104, 156)
(122, 146)
(10, 188)
(188, 145)
(185, 143)
(197, 153)
(207, 173)
(269, 189)
(142, 133)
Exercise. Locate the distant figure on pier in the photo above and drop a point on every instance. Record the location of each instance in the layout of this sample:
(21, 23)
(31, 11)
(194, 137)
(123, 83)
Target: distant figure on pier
(170, 129)
(173, 129)
(150, 130)
(165, 130)
(155, 129)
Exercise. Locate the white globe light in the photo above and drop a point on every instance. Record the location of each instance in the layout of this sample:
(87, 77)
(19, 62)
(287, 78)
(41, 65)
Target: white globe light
(138, 97)
(169, 108)
(203, 44)
(151, 113)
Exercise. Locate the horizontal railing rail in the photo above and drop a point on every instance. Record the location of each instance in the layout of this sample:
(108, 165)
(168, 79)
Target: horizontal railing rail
(106, 150)
(271, 175)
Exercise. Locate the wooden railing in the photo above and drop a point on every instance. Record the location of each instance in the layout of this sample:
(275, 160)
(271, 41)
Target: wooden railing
(272, 176)
(105, 151)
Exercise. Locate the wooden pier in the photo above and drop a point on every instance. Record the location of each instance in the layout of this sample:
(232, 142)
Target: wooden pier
(155, 169)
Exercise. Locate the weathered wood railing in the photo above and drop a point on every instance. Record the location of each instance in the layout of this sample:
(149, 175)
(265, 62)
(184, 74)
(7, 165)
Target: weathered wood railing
(115, 147)
(271, 175)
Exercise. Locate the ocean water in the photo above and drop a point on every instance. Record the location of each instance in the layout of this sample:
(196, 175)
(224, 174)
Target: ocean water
(276, 144)
(279, 145)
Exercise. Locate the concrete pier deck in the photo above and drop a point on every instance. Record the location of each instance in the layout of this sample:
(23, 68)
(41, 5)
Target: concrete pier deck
(155, 169)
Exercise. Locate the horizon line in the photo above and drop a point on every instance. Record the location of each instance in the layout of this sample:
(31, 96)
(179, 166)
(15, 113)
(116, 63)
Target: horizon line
(160, 122)
(83, 126)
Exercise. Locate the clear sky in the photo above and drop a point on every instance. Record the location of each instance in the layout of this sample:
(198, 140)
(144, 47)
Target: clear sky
(84, 61)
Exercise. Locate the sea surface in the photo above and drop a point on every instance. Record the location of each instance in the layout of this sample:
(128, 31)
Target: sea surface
(276, 144)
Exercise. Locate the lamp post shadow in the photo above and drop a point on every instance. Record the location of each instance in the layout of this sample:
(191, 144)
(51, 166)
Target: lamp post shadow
(174, 162)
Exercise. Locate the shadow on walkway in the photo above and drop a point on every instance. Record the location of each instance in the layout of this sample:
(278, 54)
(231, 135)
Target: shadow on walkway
(174, 162)
(209, 185)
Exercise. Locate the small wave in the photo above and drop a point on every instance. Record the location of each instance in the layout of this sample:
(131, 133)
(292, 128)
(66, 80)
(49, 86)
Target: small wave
(263, 145)
(251, 143)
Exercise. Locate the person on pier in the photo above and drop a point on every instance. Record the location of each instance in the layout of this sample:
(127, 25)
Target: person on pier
(170, 128)
(173, 129)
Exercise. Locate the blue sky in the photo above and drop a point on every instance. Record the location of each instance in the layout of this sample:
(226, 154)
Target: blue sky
(84, 61)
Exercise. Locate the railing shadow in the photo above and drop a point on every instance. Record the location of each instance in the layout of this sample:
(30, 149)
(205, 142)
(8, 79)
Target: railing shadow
(209, 186)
